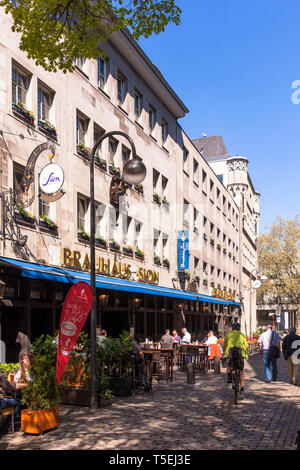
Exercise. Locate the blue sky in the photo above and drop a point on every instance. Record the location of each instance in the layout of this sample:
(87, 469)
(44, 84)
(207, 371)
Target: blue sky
(233, 64)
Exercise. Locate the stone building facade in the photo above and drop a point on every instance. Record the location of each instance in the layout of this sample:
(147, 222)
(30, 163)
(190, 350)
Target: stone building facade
(136, 245)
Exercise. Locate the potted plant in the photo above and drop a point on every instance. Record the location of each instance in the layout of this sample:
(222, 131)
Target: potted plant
(128, 250)
(83, 150)
(82, 235)
(114, 361)
(157, 198)
(113, 170)
(139, 188)
(46, 222)
(113, 245)
(100, 241)
(48, 127)
(139, 253)
(166, 203)
(22, 215)
(101, 163)
(22, 111)
(166, 263)
(41, 396)
(156, 259)
(187, 275)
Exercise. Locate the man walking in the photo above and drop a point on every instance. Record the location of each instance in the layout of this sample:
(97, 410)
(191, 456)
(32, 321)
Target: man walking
(291, 343)
(268, 339)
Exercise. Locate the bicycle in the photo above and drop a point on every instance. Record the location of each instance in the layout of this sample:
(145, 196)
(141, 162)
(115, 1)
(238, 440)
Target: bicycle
(236, 384)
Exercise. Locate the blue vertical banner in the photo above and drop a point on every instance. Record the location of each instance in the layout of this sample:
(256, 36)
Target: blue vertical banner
(183, 253)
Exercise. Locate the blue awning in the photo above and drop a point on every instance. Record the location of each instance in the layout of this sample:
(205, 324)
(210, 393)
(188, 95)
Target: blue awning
(69, 276)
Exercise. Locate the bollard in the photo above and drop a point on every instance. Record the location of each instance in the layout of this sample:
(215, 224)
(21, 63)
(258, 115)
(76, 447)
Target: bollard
(216, 365)
(190, 373)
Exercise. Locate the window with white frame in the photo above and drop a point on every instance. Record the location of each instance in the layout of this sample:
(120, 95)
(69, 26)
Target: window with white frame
(103, 71)
(138, 104)
(211, 190)
(112, 149)
(125, 154)
(81, 129)
(196, 220)
(152, 119)
(195, 172)
(165, 239)
(18, 172)
(100, 229)
(126, 229)
(164, 130)
(156, 247)
(186, 213)
(82, 214)
(204, 181)
(122, 87)
(98, 132)
(186, 161)
(44, 208)
(20, 85)
(138, 239)
(45, 99)
(79, 62)
(156, 175)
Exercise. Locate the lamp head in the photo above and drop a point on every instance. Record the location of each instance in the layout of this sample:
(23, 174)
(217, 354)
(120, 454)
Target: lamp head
(134, 171)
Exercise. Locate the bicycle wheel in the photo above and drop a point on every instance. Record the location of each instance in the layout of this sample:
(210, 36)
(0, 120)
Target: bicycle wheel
(236, 386)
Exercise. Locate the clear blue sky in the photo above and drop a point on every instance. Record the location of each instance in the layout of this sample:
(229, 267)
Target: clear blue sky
(233, 63)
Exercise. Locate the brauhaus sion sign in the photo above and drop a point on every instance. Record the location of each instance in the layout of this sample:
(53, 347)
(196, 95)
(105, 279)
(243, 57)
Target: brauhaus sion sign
(77, 260)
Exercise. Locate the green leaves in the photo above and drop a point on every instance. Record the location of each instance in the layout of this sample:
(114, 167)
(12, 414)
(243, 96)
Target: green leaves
(55, 32)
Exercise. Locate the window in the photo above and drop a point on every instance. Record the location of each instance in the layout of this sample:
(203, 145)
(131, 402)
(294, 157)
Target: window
(185, 161)
(81, 129)
(204, 182)
(164, 184)
(196, 172)
(122, 87)
(125, 154)
(220, 178)
(152, 119)
(98, 132)
(196, 215)
(79, 62)
(44, 208)
(165, 239)
(112, 148)
(229, 211)
(196, 263)
(18, 171)
(224, 204)
(138, 234)
(82, 214)
(164, 130)
(20, 85)
(156, 235)
(211, 190)
(126, 225)
(103, 71)
(138, 104)
(155, 179)
(99, 220)
(218, 197)
(45, 98)
(186, 212)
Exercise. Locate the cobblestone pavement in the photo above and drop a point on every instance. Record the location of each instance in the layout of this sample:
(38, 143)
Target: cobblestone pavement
(178, 416)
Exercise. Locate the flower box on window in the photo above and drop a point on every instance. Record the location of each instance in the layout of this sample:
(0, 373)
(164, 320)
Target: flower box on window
(127, 250)
(114, 171)
(20, 109)
(156, 260)
(139, 253)
(205, 282)
(83, 150)
(47, 127)
(46, 222)
(115, 246)
(157, 198)
(219, 246)
(224, 251)
(197, 279)
(165, 203)
(82, 235)
(101, 242)
(212, 242)
(21, 215)
(139, 188)
(230, 254)
(234, 258)
(166, 263)
(101, 163)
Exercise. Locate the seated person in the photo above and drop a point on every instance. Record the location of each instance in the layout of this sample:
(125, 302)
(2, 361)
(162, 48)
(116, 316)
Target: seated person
(8, 398)
(186, 339)
(167, 338)
(175, 336)
(101, 337)
(22, 376)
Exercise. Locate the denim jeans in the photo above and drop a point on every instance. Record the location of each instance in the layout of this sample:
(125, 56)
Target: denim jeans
(7, 403)
(268, 362)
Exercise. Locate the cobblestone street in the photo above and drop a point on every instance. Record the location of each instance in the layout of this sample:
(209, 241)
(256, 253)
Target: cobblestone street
(200, 416)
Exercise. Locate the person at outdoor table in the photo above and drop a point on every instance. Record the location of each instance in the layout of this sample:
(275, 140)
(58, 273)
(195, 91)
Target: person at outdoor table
(101, 337)
(175, 336)
(22, 376)
(167, 338)
(186, 339)
(7, 400)
(211, 338)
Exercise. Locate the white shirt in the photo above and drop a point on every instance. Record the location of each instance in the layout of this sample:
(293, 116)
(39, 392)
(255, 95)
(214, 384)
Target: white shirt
(186, 338)
(265, 338)
(212, 340)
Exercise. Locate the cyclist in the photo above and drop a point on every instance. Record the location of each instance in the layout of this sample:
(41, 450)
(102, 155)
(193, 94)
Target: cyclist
(236, 339)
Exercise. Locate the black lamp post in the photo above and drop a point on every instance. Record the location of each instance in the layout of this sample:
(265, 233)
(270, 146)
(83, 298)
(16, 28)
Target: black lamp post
(134, 172)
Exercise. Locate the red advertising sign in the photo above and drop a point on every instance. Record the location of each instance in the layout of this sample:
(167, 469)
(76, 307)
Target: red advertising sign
(75, 311)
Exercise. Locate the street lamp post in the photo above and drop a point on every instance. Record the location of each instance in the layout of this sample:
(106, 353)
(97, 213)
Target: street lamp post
(263, 279)
(134, 172)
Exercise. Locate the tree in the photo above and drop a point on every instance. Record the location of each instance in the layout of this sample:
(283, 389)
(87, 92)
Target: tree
(279, 260)
(55, 32)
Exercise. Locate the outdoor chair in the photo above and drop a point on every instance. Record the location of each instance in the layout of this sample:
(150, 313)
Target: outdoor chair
(159, 366)
(195, 358)
(182, 352)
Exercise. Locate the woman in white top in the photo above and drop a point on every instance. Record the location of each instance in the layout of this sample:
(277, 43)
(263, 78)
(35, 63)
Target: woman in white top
(22, 376)
(211, 338)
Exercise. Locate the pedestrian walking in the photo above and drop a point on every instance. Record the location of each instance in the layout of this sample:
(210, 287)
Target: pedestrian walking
(291, 343)
(269, 345)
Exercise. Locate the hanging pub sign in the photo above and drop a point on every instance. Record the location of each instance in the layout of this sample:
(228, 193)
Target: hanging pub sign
(50, 182)
(183, 254)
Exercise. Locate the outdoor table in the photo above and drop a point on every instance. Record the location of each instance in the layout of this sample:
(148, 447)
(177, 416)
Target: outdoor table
(148, 354)
(204, 349)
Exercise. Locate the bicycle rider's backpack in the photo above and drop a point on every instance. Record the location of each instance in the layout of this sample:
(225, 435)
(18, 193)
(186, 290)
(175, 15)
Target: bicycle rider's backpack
(235, 358)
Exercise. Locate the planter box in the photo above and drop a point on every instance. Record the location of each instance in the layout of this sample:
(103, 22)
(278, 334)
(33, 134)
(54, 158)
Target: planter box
(121, 386)
(114, 171)
(22, 219)
(23, 114)
(139, 189)
(83, 237)
(156, 199)
(140, 257)
(114, 247)
(50, 132)
(166, 264)
(127, 252)
(75, 396)
(43, 224)
(84, 153)
(36, 422)
(101, 243)
(101, 164)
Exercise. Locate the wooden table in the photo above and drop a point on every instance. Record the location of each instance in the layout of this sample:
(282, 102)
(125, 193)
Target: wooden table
(167, 353)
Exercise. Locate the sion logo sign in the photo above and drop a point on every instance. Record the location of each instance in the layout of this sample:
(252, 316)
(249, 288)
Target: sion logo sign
(51, 178)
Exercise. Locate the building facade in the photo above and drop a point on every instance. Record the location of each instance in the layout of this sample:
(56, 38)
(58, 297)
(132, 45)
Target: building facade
(233, 172)
(45, 247)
